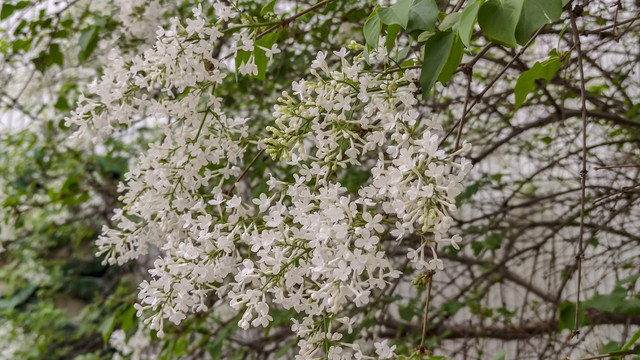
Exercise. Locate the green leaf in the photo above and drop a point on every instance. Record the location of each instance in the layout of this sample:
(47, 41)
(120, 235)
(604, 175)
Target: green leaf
(398, 13)
(630, 279)
(18, 298)
(22, 4)
(452, 307)
(70, 186)
(106, 327)
(477, 247)
(423, 15)
(449, 22)
(454, 59)
(498, 20)
(608, 302)
(631, 341)
(60, 34)
(468, 20)
(242, 57)
(260, 56)
(62, 104)
(545, 70)
(353, 179)
(425, 35)
(412, 309)
(7, 10)
(55, 55)
(285, 348)
(392, 33)
(493, 241)
(268, 8)
(372, 28)
(21, 44)
(500, 355)
(535, 14)
(468, 192)
(215, 347)
(88, 42)
(46, 59)
(567, 316)
(436, 53)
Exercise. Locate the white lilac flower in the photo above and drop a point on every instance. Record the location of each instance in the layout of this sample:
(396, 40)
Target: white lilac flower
(309, 244)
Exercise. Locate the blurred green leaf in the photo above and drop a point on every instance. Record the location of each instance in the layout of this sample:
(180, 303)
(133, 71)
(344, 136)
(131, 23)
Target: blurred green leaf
(498, 20)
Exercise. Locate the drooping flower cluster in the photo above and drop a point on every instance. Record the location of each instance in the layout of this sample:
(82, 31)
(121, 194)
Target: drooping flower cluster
(309, 245)
(321, 251)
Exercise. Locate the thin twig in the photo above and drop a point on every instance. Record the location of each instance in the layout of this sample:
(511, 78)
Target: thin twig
(290, 19)
(477, 99)
(604, 356)
(624, 190)
(422, 349)
(469, 73)
(612, 26)
(458, 6)
(286, 21)
(583, 172)
(617, 166)
(246, 169)
(617, 39)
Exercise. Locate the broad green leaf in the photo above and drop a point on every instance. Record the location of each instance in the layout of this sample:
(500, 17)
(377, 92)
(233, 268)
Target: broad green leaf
(498, 20)
(88, 42)
(493, 241)
(7, 10)
(372, 29)
(500, 355)
(398, 13)
(449, 22)
(353, 179)
(55, 55)
(468, 192)
(22, 4)
(567, 316)
(477, 247)
(21, 44)
(62, 104)
(468, 20)
(452, 307)
(268, 8)
(423, 15)
(535, 14)
(260, 56)
(46, 59)
(629, 307)
(285, 348)
(392, 33)
(106, 327)
(631, 341)
(70, 186)
(436, 53)
(18, 298)
(454, 59)
(545, 70)
(60, 34)
(215, 347)
(614, 302)
(630, 279)
(425, 35)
